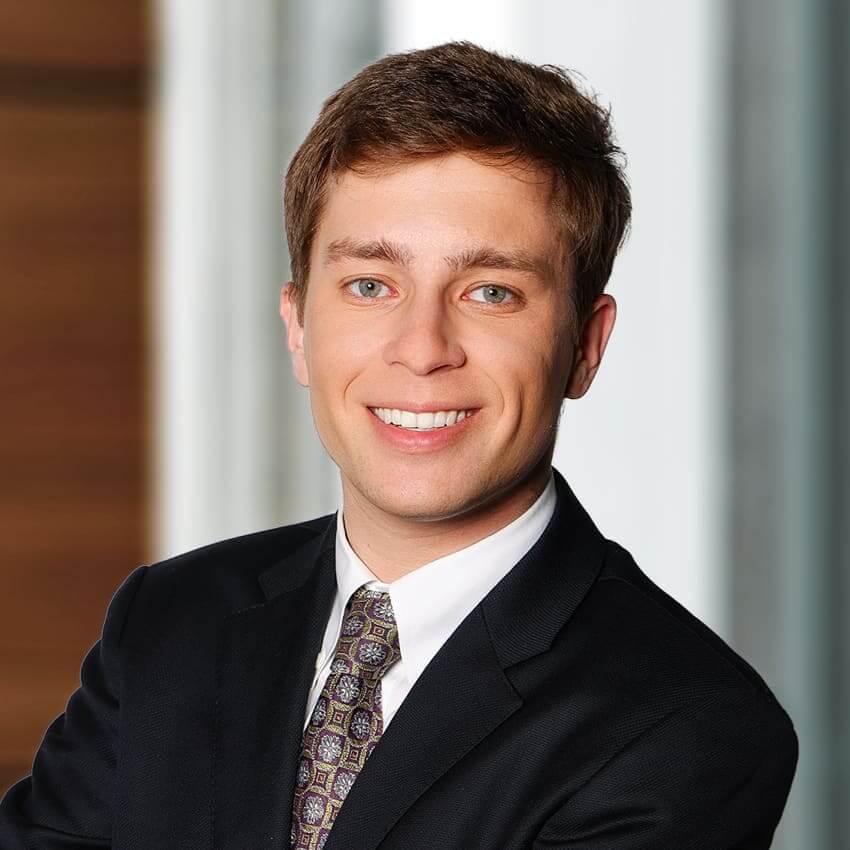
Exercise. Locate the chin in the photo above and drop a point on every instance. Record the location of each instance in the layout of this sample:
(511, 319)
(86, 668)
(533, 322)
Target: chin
(424, 507)
(422, 504)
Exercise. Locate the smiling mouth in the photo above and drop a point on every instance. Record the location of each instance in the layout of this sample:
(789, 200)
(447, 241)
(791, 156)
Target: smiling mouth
(429, 421)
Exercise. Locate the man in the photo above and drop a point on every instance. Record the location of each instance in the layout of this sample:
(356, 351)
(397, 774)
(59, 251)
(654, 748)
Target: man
(457, 658)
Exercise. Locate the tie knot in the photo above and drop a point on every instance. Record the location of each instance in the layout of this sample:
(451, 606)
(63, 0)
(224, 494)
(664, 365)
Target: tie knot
(374, 605)
(368, 642)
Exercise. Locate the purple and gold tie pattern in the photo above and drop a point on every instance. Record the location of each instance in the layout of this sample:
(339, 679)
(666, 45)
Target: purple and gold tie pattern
(347, 721)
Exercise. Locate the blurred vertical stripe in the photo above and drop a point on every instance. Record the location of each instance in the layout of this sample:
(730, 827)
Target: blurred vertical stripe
(235, 445)
(789, 314)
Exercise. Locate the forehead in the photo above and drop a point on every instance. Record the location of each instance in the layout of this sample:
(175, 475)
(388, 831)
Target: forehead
(442, 202)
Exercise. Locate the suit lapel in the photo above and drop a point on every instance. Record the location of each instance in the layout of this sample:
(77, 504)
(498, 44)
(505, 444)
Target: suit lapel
(265, 669)
(535, 600)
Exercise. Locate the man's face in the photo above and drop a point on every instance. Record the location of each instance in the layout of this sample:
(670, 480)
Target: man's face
(436, 286)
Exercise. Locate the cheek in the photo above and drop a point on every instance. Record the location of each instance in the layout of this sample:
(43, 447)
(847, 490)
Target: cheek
(326, 358)
(337, 353)
(528, 370)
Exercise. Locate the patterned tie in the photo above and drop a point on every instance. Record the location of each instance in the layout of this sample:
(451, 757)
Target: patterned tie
(346, 722)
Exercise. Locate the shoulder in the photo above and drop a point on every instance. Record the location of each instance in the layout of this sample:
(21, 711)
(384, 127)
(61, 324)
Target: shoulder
(670, 715)
(674, 654)
(222, 577)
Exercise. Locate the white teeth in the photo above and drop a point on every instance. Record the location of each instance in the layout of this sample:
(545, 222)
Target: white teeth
(419, 421)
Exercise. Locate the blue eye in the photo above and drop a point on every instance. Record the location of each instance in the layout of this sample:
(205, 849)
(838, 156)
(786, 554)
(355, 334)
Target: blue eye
(367, 287)
(494, 294)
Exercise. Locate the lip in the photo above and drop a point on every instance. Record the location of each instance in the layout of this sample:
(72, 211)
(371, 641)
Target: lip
(422, 441)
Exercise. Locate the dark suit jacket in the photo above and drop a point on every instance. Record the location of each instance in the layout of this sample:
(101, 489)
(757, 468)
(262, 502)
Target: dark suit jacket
(577, 706)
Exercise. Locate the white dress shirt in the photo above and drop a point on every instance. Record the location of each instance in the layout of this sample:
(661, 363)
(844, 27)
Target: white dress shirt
(431, 601)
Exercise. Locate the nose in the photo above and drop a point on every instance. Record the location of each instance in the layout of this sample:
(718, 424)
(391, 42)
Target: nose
(423, 338)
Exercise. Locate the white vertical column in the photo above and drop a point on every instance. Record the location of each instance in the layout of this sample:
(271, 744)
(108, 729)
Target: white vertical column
(238, 86)
(220, 377)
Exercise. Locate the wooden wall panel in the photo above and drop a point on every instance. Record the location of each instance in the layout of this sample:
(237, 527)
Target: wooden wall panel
(97, 34)
(73, 351)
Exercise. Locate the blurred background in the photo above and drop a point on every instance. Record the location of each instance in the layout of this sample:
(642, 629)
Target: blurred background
(147, 401)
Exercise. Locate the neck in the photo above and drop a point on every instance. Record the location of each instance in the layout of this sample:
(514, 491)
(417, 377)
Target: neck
(392, 546)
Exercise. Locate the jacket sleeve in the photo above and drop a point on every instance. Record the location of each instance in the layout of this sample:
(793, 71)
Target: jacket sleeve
(67, 800)
(709, 776)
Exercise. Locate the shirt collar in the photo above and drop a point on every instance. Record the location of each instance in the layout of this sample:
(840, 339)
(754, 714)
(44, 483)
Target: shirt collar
(431, 601)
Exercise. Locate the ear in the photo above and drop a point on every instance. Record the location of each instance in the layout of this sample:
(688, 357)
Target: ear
(294, 334)
(591, 345)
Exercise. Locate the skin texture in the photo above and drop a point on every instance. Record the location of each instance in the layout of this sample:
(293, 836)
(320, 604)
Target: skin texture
(430, 332)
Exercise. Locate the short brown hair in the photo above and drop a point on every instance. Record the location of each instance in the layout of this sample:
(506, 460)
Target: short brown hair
(461, 97)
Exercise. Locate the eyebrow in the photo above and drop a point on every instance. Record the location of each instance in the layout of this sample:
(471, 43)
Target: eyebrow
(471, 258)
(379, 249)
